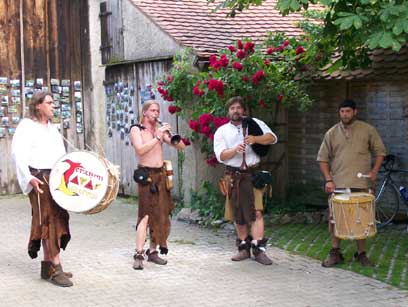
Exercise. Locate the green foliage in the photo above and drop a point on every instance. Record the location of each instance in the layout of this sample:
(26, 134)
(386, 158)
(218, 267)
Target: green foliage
(351, 27)
(264, 75)
(208, 201)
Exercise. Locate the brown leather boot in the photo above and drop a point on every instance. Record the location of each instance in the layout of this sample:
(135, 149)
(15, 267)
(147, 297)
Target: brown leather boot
(244, 249)
(46, 270)
(154, 257)
(259, 251)
(58, 277)
(363, 259)
(139, 258)
(334, 257)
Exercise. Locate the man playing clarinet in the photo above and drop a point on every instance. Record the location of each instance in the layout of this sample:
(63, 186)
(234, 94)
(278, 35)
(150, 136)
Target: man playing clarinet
(243, 202)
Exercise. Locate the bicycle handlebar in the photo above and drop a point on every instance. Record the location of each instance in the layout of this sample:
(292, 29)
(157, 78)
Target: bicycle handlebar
(388, 165)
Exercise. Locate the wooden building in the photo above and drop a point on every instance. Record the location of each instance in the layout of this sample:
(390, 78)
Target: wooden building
(44, 45)
(118, 49)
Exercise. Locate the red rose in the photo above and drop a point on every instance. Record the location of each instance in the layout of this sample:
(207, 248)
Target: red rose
(285, 43)
(205, 130)
(241, 54)
(196, 89)
(279, 98)
(212, 161)
(170, 78)
(168, 98)
(173, 109)
(213, 58)
(205, 119)
(245, 78)
(195, 126)
(160, 83)
(239, 44)
(270, 50)
(258, 76)
(211, 136)
(300, 50)
(224, 60)
(216, 85)
(186, 141)
(219, 121)
(262, 103)
(249, 47)
(231, 48)
(214, 63)
(267, 62)
(238, 66)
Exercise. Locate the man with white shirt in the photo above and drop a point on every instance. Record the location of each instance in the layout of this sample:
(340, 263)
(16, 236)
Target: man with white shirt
(243, 202)
(36, 147)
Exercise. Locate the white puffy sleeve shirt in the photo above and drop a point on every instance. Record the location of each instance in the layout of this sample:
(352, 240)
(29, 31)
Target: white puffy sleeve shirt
(36, 145)
(228, 136)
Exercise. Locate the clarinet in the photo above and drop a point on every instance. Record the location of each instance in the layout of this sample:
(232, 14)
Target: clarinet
(244, 166)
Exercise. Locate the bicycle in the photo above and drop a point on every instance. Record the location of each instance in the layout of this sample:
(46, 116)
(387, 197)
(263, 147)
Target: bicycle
(387, 201)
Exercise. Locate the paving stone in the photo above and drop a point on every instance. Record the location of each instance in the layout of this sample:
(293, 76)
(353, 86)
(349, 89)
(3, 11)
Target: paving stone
(199, 271)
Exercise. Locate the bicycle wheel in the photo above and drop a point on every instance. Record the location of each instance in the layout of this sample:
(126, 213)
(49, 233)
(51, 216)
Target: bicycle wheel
(386, 204)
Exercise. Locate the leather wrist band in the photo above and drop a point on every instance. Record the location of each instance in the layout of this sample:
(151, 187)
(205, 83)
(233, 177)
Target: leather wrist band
(330, 180)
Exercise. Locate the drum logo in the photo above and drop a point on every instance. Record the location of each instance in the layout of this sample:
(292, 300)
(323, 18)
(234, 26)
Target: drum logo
(77, 180)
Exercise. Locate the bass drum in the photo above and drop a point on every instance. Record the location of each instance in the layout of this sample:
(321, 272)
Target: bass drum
(82, 181)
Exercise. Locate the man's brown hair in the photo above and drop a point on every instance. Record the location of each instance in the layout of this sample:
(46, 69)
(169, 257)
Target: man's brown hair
(236, 99)
(38, 98)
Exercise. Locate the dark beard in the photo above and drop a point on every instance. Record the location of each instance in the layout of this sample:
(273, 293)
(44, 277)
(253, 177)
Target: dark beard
(348, 123)
(235, 117)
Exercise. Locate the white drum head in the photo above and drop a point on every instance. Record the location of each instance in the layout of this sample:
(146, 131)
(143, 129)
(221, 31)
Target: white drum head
(351, 195)
(79, 181)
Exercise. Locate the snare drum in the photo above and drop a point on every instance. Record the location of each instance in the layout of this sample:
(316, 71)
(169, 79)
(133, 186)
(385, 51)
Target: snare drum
(82, 181)
(353, 215)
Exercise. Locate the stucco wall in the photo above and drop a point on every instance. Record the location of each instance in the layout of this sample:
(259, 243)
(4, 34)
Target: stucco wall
(96, 91)
(142, 38)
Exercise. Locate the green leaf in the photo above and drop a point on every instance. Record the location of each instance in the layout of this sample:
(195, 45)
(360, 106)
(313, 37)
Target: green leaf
(336, 66)
(386, 41)
(374, 39)
(398, 27)
(357, 22)
(396, 46)
(294, 5)
(344, 22)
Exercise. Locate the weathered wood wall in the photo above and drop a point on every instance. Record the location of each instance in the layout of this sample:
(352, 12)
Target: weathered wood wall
(112, 29)
(52, 43)
(136, 76)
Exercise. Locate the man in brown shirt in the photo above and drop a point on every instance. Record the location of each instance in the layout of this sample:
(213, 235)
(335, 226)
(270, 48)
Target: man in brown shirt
(346, 151)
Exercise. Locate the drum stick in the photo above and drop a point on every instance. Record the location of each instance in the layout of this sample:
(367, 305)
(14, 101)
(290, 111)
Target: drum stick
(360, 175)
(342, 191)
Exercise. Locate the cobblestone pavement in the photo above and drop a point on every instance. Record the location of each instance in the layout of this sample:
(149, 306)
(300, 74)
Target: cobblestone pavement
(199, 272)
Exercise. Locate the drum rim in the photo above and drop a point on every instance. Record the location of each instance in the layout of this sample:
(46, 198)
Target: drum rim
(354, 197)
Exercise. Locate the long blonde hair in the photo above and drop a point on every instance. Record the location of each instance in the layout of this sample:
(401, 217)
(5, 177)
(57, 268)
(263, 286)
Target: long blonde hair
(146, 106)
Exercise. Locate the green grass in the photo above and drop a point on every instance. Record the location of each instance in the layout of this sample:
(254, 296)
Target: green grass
(388, 249)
